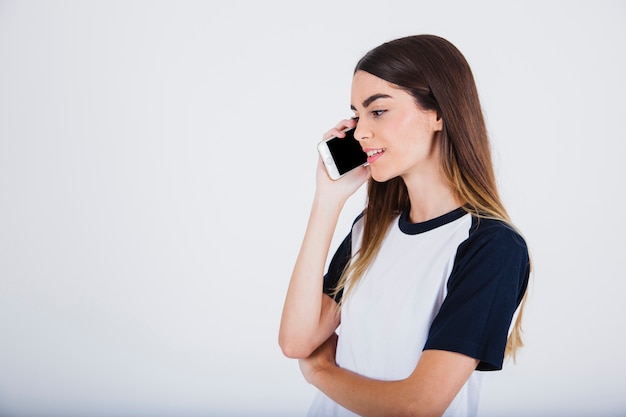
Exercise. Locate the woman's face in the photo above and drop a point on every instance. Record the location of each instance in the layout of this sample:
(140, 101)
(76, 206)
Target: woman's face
(397, 134)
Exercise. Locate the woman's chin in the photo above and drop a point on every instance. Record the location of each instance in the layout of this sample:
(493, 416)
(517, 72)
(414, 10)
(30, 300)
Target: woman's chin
(379, 176)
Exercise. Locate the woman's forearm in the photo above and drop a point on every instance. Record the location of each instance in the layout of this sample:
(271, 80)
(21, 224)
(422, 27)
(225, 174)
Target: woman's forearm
(309, 316)
(363, 396)
(428, 391)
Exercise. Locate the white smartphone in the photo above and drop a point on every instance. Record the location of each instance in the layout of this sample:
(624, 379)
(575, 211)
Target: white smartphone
(341, 155)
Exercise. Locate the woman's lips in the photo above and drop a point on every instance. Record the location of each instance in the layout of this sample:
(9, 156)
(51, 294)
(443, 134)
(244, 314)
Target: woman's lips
(373, 154)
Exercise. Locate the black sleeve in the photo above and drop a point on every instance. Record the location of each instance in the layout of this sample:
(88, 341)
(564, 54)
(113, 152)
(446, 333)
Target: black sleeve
(487, 282)
(337, 265)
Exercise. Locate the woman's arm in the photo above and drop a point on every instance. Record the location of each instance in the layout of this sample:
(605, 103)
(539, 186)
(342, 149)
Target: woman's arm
(428, 391)
(309, 316)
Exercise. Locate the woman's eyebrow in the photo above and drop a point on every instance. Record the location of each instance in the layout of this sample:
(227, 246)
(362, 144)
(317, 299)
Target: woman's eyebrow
(371, 99)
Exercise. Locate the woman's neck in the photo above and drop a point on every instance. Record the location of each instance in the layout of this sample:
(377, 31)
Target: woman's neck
(430, 196)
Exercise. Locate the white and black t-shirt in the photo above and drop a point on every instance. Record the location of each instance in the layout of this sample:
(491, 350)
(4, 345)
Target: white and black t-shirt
(451, 283)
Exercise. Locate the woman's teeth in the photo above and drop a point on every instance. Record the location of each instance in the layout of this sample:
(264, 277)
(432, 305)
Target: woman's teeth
(375, 151)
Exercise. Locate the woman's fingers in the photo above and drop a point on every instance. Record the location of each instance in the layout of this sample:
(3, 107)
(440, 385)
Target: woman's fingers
(338, 130)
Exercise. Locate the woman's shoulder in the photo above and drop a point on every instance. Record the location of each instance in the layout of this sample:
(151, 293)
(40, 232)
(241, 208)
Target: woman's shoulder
(495, 234)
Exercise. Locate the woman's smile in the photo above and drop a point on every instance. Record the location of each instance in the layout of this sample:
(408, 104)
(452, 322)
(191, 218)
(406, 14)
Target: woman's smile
(373, 154)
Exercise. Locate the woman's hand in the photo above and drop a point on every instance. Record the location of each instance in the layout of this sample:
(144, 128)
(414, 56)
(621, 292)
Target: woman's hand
(322, 358)
(349, 183)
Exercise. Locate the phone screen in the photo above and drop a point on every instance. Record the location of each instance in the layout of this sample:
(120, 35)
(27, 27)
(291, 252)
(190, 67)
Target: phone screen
(346, 152)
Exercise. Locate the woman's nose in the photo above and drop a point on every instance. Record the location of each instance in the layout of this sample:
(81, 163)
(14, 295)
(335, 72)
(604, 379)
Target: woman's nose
(361, 132)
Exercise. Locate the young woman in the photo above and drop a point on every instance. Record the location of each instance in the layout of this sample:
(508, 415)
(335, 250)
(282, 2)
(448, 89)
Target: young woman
(426, 284)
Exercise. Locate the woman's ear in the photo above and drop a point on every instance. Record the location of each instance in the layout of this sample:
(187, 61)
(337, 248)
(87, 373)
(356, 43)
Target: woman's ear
(438, 122)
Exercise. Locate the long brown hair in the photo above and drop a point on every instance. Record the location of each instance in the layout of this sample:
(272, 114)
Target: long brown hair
(438, 76)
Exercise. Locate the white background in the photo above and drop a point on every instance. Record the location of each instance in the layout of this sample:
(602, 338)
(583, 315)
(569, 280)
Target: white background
(156, 170)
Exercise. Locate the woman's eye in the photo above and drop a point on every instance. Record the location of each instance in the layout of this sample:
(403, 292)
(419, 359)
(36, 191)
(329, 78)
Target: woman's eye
(378, 113)
(355, 118)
